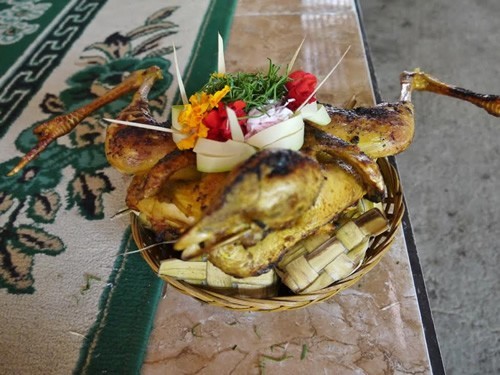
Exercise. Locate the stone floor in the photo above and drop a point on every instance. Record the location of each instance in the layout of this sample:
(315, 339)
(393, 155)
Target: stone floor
(450, 174)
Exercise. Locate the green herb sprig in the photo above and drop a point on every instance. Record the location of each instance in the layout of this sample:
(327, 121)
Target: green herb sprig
(255, 89)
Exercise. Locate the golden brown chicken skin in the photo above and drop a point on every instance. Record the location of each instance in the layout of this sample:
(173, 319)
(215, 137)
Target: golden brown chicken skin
(133, 150)
(379, 131)
(264, 195)
(136, 150)
(173, 195)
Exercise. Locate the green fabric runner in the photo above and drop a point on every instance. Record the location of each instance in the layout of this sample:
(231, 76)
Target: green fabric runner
(46, 210)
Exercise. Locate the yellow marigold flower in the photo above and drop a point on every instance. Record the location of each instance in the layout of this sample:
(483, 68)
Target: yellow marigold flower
(217, 97)
(189, 142)
(191, 117)
(200, 102)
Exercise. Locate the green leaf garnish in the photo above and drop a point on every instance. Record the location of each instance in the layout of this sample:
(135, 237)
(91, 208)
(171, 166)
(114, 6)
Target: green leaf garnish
(255, 89)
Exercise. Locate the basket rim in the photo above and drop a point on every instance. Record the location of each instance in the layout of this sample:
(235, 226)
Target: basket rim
(394, 208)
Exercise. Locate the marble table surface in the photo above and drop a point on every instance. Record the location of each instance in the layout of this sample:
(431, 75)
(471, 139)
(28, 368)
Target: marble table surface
(374, 327)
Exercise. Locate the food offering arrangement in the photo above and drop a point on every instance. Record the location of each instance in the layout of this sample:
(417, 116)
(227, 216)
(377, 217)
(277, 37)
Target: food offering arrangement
(255, 195)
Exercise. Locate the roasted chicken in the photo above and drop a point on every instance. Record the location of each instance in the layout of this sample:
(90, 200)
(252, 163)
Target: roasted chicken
(252, 214)
(245, 219)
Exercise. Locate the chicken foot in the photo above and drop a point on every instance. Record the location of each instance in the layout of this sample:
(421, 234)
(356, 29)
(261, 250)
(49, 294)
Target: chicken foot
(58, 126)
(421, 81)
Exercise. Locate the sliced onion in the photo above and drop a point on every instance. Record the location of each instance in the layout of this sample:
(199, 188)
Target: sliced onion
(293, 141)
(276, 132)
(316, 113)
(215, 148)
(212, 164)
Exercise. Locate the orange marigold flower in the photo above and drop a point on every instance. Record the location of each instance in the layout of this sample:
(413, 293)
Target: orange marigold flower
(191, 117)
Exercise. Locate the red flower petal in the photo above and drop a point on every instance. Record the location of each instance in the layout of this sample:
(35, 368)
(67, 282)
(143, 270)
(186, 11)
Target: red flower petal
(302, 85)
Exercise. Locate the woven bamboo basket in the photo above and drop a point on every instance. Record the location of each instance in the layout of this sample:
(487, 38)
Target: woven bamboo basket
(286, 300)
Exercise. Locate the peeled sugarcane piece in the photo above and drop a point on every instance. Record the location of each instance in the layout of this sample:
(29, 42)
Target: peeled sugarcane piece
(206, 274)
(304, 270)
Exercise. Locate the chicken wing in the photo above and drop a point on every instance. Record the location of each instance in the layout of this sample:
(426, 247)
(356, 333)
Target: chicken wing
(379, 131)
(136, 150)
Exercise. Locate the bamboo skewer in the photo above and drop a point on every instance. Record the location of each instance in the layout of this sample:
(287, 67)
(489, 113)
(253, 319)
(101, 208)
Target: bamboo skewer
(144, 126)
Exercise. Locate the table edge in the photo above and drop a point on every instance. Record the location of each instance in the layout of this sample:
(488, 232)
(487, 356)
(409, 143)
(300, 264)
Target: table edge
(430, 335)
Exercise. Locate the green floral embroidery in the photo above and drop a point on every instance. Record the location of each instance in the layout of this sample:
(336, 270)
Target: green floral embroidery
(33, 193)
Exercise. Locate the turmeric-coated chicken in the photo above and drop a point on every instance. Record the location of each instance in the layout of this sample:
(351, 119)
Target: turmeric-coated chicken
(173, 195)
